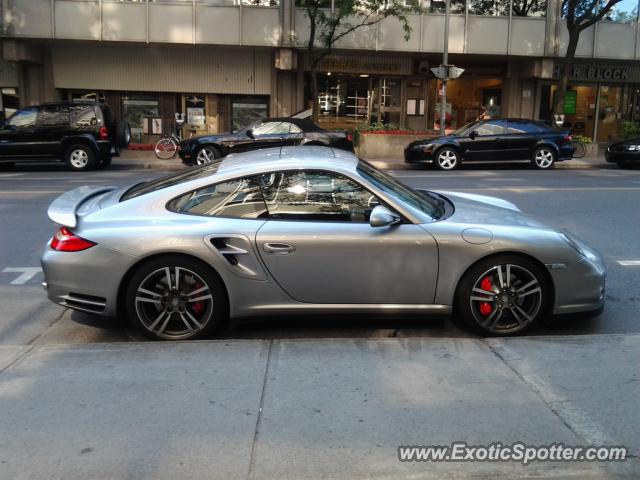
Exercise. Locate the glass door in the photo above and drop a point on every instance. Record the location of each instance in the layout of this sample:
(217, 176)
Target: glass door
(609, 113)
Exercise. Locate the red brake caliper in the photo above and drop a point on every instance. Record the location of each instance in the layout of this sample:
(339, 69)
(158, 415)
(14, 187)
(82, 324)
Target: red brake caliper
(485, 307)
(198, 306)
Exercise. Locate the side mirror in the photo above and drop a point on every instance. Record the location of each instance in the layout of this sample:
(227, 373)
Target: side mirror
(250, 134)
(383, 217)
(473, 134)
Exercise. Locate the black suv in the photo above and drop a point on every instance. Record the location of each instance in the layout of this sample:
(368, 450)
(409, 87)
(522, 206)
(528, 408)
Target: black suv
(85, 135)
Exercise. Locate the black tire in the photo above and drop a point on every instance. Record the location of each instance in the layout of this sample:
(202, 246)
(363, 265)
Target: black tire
(176, 304)
(123, 134)
(512, 313)
(207, 154)
(543, 158)
(80, 158)
(446, 159)
(105, 162)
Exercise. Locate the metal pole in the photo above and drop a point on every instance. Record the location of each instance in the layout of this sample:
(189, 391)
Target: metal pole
(445, 61)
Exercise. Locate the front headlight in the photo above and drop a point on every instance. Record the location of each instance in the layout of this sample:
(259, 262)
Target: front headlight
(633, 148)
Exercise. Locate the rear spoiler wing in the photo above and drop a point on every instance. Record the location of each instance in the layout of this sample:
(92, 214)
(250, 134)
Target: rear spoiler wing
(64, 208)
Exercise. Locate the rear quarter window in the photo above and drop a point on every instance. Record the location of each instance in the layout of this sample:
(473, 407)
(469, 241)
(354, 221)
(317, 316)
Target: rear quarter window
(85, 117)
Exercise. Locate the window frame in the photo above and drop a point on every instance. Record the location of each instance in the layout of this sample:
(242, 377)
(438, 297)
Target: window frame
(202, 215)
(21, 111)
(381, 201)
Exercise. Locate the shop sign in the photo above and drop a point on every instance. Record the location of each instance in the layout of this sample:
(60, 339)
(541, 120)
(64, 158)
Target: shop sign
(366, 65)
(195, 116)
(570, 102)
(597, 73)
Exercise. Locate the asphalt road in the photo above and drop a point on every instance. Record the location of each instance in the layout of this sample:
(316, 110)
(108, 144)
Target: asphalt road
(599, 205)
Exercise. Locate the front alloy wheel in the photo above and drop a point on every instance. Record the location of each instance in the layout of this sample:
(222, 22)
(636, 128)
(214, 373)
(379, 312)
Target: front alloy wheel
(504, 298)
(447, 159)
(172, 300)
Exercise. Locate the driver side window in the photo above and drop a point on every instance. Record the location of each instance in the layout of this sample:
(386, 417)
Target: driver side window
(492, 127)
(272, 128)
(316, 195)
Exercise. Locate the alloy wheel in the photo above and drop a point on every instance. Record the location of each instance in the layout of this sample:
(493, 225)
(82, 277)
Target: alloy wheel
(543, 158)
(447, 159)
(205, 155)
(506, 298)
(79, 158)
(174, 303)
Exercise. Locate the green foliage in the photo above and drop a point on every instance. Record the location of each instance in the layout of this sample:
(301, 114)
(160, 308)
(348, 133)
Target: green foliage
(630, 129)
(328, 26)
(582, 139)
(377, 127)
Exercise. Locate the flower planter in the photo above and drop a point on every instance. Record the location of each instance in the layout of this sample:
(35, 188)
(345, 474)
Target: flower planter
(387, 145)
(591, 150)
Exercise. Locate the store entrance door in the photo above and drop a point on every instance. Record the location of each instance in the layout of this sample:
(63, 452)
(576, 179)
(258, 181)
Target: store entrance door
(609, 114)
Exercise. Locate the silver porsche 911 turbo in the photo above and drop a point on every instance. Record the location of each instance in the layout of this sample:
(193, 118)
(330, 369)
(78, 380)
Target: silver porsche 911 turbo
(308, 230)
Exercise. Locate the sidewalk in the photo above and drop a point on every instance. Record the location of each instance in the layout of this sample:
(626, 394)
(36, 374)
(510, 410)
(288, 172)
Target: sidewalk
(302, 409)
(148, 160)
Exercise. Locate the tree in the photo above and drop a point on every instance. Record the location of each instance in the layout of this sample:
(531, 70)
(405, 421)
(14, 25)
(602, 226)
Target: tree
(580, 15)
(329, 25)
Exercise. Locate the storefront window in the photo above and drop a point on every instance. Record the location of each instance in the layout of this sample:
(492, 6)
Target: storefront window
(194, 105)
(344, 100)
(609, 113)
(493, 8)
(529, 8)
(468, 99)
(137, 107)
(439, 6)
(248, 110)
(10, 101)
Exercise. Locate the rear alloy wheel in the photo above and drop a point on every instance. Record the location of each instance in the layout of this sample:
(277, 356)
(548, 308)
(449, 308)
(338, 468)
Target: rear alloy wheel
(543, 158)
(447, 159)
(175, 299)
(80, 158)
(206, 155)
(503, 296)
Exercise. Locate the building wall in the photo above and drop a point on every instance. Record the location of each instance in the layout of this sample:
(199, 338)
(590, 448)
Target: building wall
(184, 22)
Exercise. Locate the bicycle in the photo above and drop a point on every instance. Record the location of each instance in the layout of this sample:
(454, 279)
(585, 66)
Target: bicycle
(167, 147)
(579, 148)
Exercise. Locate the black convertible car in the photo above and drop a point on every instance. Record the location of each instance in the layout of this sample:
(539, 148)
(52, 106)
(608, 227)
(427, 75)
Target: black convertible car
(269, 132)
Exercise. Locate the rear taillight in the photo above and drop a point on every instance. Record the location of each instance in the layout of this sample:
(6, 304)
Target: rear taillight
(568, 138)
(349, 137)
(104, 133)
(66, 241)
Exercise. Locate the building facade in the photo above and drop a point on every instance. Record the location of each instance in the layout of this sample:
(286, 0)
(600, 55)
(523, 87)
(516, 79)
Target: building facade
(225, 63)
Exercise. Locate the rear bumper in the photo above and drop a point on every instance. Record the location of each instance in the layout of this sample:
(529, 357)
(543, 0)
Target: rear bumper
(88, 280)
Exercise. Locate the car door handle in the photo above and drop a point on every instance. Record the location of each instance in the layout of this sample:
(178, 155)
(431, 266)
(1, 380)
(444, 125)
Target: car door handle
(278, 248)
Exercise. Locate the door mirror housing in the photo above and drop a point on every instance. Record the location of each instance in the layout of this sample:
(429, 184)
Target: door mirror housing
(383, 217)
(250, 134)
(473, 134)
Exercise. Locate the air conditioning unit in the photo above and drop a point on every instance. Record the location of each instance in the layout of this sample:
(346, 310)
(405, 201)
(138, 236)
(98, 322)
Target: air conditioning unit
(423, 68)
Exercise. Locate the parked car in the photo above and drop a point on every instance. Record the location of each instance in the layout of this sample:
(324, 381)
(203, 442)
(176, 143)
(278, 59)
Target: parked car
(495, 140)
(270, 132)
(308, 230)
(85, 135)
(625, 154)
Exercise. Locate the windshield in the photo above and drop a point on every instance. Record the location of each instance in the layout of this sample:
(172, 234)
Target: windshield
(430, 205)
(171, 180)
(465, 129)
